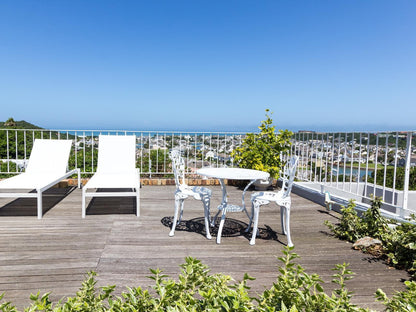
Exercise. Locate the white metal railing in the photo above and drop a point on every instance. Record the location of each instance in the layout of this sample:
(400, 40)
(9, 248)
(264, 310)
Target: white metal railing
(199, 148)
(360, 164)
(344, 162)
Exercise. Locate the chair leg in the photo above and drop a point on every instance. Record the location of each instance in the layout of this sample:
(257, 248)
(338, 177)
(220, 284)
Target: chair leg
(206, 202)
(282, 219)
(138, 201)
(39, 202)
(181, 210)
(215, 218)
(251, 217)
(256, 206)
(289, 239)
(178, 202)
(221, 226)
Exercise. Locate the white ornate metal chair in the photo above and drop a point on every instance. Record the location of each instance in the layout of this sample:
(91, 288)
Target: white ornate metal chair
(183, 191)
(281, 198)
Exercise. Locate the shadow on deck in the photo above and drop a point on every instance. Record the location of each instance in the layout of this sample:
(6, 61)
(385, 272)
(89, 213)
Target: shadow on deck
(55, 253)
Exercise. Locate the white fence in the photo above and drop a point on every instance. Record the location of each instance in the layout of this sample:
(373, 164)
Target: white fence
(346, 164)
(360, 165)
(199, 148)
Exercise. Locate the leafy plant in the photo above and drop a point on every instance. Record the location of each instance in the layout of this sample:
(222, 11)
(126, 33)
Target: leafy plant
(398, 243)
(7, 166)
(197, 290)
(349, 227)
(261, 151)
(85, 159)
(303, 292)
(390, 176)
(404, 301)
(155, 161)
(6, 306)
(373, 223)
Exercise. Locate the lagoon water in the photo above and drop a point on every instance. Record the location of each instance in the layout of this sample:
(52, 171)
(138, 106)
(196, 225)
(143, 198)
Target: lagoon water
(354, 172)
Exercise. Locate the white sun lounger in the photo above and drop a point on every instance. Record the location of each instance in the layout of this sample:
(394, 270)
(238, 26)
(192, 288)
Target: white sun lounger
(47, 166)
(116, 168)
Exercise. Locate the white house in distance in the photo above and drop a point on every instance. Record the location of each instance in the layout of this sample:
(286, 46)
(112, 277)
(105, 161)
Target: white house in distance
(209, 155)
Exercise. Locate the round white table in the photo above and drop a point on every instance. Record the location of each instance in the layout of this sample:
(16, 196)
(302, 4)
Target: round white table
(232, 174)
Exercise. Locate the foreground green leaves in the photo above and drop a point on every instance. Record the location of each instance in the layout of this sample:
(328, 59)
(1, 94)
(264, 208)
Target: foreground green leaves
(404, 301)
(303, 292)
(197, 290)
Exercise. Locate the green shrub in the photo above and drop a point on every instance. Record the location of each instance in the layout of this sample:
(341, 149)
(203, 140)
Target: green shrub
(399, 243)
(403, 301)
(261, 151)
(400, 177)
(7, 166)
(196, 290)
(373, 223)
(84, 159)
(349, 227)
(303, 292)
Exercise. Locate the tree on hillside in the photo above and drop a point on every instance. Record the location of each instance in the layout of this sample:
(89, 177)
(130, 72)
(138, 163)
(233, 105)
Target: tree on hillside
(10, 123)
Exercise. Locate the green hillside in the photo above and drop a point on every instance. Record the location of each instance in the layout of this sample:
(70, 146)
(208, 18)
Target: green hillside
(17, 143)
(12, 124)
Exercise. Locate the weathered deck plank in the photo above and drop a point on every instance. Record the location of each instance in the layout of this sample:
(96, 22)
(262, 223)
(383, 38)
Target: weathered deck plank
(54, 254)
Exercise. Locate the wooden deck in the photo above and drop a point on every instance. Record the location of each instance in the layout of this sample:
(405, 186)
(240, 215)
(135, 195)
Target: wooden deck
(54, 254)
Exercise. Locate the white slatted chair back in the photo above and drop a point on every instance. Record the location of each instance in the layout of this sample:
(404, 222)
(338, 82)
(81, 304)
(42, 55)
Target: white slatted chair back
(49, 156)
(116, 153)
(178, 166)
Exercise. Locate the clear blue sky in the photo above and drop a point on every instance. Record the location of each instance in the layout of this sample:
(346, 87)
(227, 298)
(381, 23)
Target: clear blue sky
(209, 65)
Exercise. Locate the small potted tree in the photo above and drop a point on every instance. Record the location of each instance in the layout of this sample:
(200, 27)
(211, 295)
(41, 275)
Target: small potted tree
(262, 151)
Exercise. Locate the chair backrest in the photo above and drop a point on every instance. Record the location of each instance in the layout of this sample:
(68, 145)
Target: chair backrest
(49, 156)
(116, 153)
(178, 166)
(289, 175)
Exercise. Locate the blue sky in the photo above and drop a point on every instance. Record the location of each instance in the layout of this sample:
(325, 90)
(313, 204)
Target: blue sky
(209, 65)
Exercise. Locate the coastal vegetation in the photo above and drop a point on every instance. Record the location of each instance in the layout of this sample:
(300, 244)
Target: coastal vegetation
(196, 289)
(16, 143)
(12, 124)
(155, 161)
(399, 181)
